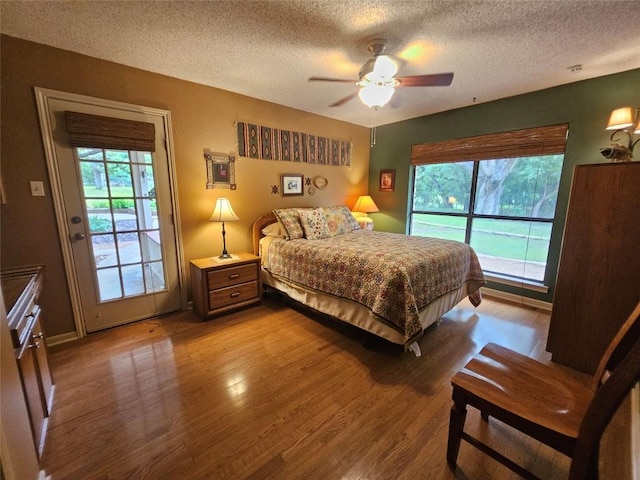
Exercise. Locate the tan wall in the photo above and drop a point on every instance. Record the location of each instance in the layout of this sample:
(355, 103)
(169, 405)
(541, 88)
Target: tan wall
(202, 117)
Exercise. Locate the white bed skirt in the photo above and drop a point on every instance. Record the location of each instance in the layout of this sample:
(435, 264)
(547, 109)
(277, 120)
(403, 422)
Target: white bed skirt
(360, 316)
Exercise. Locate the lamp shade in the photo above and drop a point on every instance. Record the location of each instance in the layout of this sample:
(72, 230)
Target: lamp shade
(376, 95)
(621, 118)
(223, 212)
(365, 204)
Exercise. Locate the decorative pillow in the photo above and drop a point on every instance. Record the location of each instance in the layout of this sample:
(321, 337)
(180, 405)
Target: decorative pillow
(340, 220)
(290, 221)
(274, 230)
(314, 224)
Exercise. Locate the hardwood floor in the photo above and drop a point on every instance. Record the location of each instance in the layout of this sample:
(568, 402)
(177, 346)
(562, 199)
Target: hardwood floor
(271, 392)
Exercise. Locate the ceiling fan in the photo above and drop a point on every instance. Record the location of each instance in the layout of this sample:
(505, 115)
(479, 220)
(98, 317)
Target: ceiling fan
(377, 81)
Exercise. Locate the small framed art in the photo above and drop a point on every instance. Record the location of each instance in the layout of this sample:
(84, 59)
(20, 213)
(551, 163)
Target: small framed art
(387, 181)
(221, 172)
(291, 184)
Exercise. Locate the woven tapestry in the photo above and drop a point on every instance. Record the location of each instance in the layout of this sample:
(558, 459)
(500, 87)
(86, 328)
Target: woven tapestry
(256, 141)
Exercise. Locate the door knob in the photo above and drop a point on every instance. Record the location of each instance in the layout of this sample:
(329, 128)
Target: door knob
(79, 236)
(76, 220)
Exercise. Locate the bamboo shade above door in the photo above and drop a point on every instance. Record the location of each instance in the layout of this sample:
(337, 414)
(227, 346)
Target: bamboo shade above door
(85, 130)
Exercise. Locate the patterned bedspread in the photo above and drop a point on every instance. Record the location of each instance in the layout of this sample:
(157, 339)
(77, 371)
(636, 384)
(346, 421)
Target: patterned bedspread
(393, 275)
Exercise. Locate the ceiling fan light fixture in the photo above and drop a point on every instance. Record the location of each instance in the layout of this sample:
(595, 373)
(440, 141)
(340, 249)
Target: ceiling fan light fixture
(376, 96)
(384, 67)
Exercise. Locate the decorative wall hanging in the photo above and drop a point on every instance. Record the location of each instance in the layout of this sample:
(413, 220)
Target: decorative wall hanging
(221, 170)
(292, 184)
(256, 141)
(274, 189)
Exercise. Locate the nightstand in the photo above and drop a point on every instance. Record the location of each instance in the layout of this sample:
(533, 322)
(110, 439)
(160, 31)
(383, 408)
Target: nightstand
(220, 286)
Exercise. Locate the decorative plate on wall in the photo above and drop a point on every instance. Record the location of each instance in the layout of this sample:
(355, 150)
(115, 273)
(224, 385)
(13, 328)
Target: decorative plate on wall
(320, 182)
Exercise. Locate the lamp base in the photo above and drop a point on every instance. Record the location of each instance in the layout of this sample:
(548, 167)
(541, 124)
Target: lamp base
(225, 255)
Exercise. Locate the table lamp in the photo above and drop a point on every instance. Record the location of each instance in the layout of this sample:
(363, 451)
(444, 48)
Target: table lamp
(364, 205)
(223, 213)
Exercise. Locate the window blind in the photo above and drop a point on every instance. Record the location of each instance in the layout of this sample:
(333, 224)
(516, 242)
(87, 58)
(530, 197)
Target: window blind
(549, 140)
(84, 130)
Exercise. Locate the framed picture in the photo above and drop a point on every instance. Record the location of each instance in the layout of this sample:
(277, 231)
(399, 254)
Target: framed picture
(292, 184)
(387, 181)
(220, 170)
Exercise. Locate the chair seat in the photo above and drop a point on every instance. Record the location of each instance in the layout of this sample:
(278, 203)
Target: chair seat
(507, 382)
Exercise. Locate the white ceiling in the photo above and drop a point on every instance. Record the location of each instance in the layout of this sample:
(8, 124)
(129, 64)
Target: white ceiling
(268, 49)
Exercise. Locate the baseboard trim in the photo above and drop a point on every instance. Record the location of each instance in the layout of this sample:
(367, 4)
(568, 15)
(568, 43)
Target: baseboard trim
(63, 338)
(511, 297)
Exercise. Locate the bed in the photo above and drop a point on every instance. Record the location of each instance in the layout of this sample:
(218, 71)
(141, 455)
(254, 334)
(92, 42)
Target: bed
(391, 285)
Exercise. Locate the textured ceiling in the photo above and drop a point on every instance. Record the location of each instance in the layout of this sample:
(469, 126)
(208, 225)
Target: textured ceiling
(268, 49)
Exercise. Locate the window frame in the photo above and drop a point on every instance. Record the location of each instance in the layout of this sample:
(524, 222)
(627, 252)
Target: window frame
(538, 141)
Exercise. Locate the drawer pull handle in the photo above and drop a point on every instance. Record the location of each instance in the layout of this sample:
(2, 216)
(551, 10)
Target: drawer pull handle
(235, 294)
(37, 336)
(233, 276)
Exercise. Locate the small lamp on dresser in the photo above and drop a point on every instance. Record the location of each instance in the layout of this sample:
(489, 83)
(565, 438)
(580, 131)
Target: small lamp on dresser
(364, 205)
(223, 212)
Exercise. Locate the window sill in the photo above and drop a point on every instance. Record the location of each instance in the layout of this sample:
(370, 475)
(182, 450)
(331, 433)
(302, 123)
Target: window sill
(526, 284)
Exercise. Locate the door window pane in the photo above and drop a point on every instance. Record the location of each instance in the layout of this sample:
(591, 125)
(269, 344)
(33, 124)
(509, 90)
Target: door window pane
(109, 284)
(94, 181)
(104, 251)
(154, 277)
(119, 180)
(129, 248)
(119, 189)
(132, 280)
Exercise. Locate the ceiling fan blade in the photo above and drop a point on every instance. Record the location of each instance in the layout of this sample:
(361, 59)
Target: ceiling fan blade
(344, 100)
(326, 79)
(436, 80)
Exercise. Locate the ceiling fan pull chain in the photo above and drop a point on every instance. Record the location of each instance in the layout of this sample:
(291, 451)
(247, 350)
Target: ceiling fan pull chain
(372, 132)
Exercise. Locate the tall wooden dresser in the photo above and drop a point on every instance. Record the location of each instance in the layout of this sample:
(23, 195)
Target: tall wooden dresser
(598, 281)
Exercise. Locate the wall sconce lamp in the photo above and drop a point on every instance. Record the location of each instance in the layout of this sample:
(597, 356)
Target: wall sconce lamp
(223, 212)
(625, 120)
(364, 205)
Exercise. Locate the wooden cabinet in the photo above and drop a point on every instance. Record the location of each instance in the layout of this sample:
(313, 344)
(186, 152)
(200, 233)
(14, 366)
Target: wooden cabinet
(20, 290)
(219, 286)
(598, 281)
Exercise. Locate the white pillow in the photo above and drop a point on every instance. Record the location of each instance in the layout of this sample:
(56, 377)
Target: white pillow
(273, 230)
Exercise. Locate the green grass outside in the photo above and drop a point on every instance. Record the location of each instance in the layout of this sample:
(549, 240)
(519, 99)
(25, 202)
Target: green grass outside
(498, 238)
(91, 192)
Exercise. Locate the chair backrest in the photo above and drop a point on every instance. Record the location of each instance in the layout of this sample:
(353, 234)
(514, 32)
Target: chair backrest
(618, 348)
(618, 372)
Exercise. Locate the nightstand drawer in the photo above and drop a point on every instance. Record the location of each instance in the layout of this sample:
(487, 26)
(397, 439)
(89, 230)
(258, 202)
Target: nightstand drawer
(232, 276)
(233, 295)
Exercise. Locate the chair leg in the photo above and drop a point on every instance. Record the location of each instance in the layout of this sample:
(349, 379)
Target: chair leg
(456, 425)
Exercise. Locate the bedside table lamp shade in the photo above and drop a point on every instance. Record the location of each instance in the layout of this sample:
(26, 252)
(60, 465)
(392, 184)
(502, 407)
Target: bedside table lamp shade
(364, 205)
(223, 213)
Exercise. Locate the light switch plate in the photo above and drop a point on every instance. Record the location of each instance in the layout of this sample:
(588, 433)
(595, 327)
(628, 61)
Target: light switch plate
(37, 189)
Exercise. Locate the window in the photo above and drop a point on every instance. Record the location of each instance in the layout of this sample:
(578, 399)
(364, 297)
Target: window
(503, 206)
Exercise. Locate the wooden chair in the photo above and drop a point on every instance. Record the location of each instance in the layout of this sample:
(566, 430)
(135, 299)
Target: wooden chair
(546, 403)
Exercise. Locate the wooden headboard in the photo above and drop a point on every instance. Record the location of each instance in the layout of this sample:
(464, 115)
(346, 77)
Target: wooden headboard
(256, 232)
